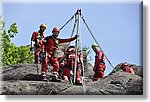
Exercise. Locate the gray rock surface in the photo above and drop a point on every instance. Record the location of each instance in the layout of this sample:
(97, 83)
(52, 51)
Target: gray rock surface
(23, 79)
(119, 83)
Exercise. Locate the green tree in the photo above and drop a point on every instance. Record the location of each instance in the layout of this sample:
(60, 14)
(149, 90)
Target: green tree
(24, 55)
(10, 53)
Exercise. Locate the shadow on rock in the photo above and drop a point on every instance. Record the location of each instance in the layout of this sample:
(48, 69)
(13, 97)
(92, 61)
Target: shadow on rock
(32, 77)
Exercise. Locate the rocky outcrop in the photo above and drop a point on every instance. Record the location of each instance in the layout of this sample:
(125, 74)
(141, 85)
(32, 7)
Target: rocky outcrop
(137, 69)
(23, 87)
(119, 83)
(23, 79)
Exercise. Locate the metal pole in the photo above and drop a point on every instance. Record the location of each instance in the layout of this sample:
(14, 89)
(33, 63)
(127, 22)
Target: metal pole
(67, 22)
(81, 59)
(76, 54)
(38, 73)
(75, 23)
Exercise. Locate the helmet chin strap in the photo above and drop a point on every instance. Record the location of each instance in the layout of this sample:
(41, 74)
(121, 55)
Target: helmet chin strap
(54, 36)
(41, 31)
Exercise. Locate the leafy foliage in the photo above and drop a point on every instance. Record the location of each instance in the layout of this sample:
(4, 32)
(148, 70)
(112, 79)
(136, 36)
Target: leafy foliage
(10, 53)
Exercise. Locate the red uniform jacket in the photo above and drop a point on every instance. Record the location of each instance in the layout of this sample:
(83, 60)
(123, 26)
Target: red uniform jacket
(99, 58)
(37, 37)
(71, 59)
(51, 43)
(128, 69)
(35, 34)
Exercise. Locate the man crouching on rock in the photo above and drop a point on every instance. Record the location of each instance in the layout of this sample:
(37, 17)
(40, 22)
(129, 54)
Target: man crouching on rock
(99, 66)
(126, 68)
(51, 44)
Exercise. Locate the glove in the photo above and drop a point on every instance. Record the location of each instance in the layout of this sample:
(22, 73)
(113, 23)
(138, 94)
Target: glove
(76, 36)
(71, 73)
(42, 54)
(31, 48)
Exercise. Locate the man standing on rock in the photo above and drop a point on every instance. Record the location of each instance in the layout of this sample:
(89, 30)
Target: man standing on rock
(99, 66)
(51, 45)
(37, 43)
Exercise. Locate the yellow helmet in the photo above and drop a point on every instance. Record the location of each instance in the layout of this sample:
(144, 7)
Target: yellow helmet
(94, 45)
(43, 25)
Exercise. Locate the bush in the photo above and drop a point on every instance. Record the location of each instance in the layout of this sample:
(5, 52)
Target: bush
(10, 53)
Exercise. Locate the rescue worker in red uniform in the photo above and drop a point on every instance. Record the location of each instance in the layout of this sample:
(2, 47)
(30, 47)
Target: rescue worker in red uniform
(127, 69)
(37, 43)
(70, 63)
(51, 45)
(99, 66)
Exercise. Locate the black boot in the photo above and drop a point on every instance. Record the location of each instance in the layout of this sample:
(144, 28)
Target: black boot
(55, 78)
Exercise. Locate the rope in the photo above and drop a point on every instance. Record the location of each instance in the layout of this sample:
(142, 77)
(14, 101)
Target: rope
(95, 40)
(67, 22)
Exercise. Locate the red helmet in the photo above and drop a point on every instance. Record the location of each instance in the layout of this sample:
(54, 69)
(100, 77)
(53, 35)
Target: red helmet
(125, 64)
(55, 29)
(71, 49)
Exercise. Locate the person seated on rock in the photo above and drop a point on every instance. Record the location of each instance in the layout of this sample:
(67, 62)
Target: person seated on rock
(99, 66)
(70, 64)
(127, 68)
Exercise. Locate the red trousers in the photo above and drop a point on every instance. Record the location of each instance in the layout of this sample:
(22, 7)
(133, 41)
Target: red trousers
(37, 56)
(52, 60)
(99, 72)
(66, 72)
